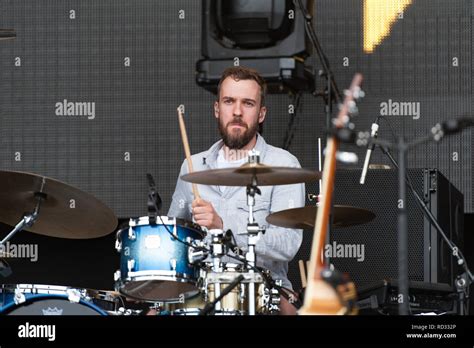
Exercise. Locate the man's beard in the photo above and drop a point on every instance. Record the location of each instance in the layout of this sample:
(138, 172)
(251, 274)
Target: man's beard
(237, 140)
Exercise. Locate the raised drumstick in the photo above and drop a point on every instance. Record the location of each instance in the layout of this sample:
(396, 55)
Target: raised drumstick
(187, 152)
(302, 273)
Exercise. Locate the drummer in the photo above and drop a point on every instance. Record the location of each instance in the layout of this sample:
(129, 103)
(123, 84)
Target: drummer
(240, 111)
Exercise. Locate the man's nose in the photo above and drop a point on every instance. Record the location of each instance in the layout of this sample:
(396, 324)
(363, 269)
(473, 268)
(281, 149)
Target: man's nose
(237, 109)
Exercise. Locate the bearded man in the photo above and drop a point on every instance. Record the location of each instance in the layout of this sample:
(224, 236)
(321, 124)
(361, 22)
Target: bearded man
(239, 111)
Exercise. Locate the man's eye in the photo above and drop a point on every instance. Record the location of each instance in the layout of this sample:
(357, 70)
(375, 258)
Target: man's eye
(249, 103)
(228, 101)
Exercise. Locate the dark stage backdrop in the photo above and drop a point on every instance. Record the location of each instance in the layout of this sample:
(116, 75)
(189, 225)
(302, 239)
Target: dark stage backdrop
(131, 63)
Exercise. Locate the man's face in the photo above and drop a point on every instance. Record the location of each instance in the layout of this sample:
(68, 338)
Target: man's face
(238, 111)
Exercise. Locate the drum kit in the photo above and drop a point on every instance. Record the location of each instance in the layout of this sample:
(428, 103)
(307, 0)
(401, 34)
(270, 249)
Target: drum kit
(171, 266)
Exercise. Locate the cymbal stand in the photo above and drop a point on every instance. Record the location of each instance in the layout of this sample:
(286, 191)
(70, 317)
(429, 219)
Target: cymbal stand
(218, 250)
(253, 232)
(28, 219)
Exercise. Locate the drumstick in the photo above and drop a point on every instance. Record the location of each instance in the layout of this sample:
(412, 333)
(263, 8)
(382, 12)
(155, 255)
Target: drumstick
(302, 273)
(184, 137)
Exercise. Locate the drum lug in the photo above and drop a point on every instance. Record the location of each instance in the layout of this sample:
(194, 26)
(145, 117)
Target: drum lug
(73, 295)
(131, 265)
(131, 234)
(19, 297)
(118, 245)
(173, 264)
(117, 275)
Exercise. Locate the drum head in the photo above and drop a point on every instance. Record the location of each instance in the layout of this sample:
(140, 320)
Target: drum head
(157, 290)
(51, 305)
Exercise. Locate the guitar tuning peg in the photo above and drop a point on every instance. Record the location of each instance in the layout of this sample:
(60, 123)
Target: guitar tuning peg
(352, 108)
(359, 93)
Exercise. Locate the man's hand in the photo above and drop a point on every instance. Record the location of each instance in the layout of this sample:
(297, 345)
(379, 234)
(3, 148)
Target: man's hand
(205, 215)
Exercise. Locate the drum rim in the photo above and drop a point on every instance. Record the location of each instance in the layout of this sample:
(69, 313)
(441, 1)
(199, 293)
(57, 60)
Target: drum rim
(144, 221)
(6, 309)
(120, 286)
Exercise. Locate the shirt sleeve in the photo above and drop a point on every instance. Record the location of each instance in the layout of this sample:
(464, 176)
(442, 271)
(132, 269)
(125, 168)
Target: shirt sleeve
(279, 243)
(182, 199)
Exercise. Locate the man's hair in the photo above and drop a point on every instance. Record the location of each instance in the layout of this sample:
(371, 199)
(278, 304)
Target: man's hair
(243, 73)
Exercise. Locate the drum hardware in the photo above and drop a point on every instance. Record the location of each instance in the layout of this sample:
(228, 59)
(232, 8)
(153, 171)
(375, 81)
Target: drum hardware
(220, 295)
(197, 251)
(253, 230)
(28, 218)
(218, 250)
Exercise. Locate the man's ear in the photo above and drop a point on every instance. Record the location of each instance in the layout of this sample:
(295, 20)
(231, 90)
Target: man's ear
(216, 109)
(262, 114)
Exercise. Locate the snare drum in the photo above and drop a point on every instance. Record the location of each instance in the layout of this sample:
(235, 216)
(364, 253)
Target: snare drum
(29, 299)
(154, 263)
(234, 303)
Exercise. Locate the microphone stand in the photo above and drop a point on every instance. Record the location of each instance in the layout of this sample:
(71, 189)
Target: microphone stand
(326, 72)
(332, 92)
(464, 280)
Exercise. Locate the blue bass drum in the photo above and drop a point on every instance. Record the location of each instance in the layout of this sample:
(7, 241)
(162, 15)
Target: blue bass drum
(29, 299)
(154, 265)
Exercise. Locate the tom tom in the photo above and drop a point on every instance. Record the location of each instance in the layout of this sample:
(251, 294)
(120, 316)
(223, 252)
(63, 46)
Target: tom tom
(154, 263)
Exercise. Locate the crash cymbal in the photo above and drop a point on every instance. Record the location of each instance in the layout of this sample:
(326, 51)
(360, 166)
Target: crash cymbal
(242, 176)
(67, 212)
(305, 217)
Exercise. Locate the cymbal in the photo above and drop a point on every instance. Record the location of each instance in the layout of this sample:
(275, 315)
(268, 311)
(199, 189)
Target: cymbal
(7, 34)
(305, 217)
(67, 212)
(242, 176)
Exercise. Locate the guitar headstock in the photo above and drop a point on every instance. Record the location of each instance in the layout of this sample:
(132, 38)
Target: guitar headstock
(349, 107)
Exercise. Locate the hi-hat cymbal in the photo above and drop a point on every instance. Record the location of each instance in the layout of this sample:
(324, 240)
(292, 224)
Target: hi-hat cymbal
(243, 175)
(305, 217)
(67, 212)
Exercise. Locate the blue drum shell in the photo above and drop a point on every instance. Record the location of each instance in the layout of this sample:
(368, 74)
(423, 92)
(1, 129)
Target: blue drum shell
(153, 248)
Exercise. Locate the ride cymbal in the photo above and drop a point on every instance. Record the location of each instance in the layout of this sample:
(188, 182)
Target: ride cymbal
(305, 217)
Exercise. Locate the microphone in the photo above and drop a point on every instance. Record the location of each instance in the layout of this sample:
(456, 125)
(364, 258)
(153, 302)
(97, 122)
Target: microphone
(227, 240)
(370, 148)
(154, 200)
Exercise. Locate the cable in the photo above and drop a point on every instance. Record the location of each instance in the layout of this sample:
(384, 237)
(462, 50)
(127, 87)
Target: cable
(290, 132)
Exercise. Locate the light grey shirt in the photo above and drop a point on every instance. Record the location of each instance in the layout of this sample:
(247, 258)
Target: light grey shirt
(278, 245)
